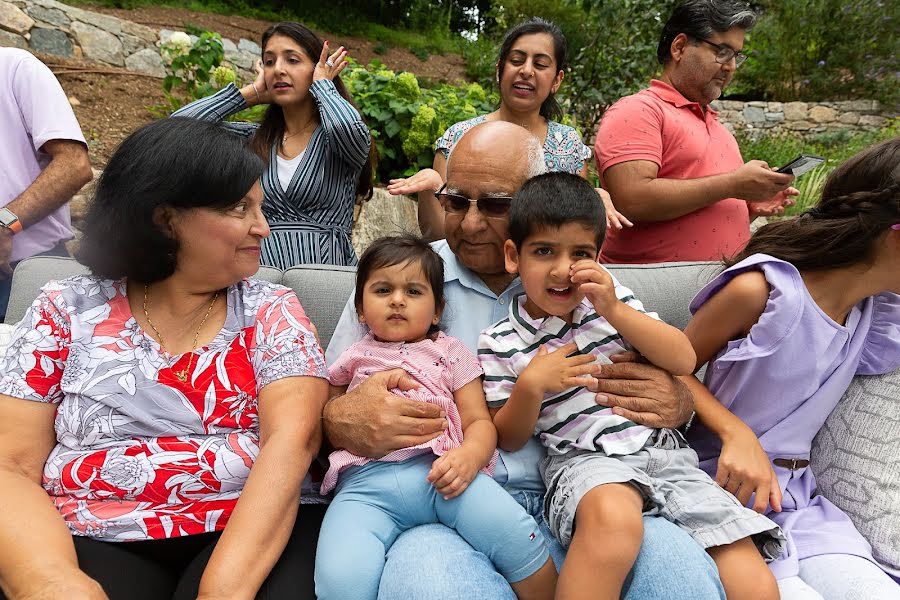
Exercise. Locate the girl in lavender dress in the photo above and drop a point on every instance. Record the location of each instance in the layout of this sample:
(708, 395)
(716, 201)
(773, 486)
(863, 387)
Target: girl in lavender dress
(808, 304)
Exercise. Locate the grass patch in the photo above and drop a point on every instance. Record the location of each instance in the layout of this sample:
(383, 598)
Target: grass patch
(836, 147)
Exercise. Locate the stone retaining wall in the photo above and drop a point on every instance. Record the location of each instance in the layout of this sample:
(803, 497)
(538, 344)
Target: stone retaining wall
(802, 117)
(51, 27)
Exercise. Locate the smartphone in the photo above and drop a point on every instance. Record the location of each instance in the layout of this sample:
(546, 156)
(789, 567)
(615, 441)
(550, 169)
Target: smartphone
(802, 164)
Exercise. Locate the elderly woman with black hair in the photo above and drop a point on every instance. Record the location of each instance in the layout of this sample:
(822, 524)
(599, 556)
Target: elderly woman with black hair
(158, 417)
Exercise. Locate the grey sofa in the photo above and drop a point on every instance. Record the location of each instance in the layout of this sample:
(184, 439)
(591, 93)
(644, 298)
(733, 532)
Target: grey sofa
(858, 471)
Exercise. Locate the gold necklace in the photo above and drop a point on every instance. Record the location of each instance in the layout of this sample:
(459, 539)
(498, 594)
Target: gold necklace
(285, 137)
(182, 375)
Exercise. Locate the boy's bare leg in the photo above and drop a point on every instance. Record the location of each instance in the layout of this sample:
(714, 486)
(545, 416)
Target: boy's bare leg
(743, 571)
(541, 585)
(608, 532)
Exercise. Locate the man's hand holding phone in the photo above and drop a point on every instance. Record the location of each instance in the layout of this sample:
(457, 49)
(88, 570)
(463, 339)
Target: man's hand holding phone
(801, 165)
(755, 181)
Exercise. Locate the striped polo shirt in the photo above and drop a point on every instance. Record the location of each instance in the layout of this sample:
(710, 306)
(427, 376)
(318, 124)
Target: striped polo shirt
(572, 418)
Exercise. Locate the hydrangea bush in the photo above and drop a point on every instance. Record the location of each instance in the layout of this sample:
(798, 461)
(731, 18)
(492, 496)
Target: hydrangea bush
(406, 117)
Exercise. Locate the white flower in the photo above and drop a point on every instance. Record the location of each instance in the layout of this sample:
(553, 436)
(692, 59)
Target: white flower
(180, 39)
(128, 473)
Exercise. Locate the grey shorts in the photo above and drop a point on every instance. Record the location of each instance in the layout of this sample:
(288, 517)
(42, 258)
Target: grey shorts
(667, 474)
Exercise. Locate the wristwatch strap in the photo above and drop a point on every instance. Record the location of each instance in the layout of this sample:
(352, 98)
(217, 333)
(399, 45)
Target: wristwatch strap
(15, 225)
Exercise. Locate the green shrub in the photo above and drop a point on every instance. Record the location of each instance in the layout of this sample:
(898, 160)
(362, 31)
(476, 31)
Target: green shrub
(193, 70)
(836, 147)
(823, 50)
(420, 53)
(406, 118)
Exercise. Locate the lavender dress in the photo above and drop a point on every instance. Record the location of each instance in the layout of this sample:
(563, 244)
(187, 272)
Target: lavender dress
(783, 380)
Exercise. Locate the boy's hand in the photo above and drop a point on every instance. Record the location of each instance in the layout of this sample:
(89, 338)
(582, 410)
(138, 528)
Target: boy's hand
(452, 473)
(553, 372)
(596, 284)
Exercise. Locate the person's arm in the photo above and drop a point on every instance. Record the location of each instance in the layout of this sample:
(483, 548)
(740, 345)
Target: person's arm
(547, 373)
(37, 556)
(639, 193)
(660, 343)
(452, 473)
(614, 218)
(425, 184)
(343, 125)
(221, 105)
(68, 171)
(289, 437)
(743, 468)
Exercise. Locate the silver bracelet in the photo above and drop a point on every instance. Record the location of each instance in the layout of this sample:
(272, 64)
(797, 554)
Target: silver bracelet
(690, 422)
(256, 91)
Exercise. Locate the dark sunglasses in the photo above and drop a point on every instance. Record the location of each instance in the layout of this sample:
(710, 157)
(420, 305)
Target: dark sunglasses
(496, 207)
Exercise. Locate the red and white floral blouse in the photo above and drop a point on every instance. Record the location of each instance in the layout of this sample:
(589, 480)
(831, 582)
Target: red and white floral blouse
(139, 454)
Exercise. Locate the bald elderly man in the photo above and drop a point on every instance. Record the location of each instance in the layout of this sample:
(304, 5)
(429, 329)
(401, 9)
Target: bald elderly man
(433, 561)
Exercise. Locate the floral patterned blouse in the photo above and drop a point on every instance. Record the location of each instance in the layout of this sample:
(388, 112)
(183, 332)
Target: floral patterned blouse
(139, 454)
(564, 151)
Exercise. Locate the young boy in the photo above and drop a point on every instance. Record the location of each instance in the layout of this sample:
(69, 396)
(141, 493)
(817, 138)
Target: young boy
(603, 471)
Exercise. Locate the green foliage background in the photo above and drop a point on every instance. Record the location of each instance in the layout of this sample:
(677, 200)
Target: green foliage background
(803, 49)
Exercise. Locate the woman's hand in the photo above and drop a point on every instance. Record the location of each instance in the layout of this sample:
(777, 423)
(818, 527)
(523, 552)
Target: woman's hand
(425, 180)
(330, 67)
(452, 473)
(744, 469)
(257, 92)
(614, 218)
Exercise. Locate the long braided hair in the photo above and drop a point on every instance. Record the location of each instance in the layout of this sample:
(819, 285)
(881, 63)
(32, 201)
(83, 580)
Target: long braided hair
(860, 202)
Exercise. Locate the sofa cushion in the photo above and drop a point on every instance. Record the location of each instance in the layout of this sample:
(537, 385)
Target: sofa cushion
(667, 288)
(323, 291)
(857, 465)
(32, 273)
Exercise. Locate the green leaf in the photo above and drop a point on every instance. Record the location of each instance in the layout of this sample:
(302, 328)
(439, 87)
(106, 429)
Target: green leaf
(392, 128)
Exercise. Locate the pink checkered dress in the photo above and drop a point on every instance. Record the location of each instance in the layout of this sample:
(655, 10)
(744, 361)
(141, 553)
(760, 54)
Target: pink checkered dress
(441, 366)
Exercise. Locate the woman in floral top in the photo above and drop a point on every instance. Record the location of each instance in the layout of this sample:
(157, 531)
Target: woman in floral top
(166, 407)
(530, 70)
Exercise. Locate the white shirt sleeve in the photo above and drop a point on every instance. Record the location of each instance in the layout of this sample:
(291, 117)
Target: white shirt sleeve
(347, 332)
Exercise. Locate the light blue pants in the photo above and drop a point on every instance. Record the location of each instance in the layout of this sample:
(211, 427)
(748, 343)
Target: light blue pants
(378, 501)
(432, 561)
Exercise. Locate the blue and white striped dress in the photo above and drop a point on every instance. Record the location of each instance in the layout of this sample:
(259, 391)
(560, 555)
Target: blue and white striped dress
(311, 219)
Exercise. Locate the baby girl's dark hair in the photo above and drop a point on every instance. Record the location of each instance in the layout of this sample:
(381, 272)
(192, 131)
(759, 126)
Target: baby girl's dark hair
(860, 202)
(399, 250)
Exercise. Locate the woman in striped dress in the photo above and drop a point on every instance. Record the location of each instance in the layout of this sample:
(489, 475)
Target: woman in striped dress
(314, 141)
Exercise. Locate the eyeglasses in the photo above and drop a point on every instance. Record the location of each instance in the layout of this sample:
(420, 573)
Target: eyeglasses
(724, 54)
(492, 207)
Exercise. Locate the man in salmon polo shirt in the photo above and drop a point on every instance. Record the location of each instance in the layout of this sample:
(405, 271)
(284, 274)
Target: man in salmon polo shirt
(670, 166)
